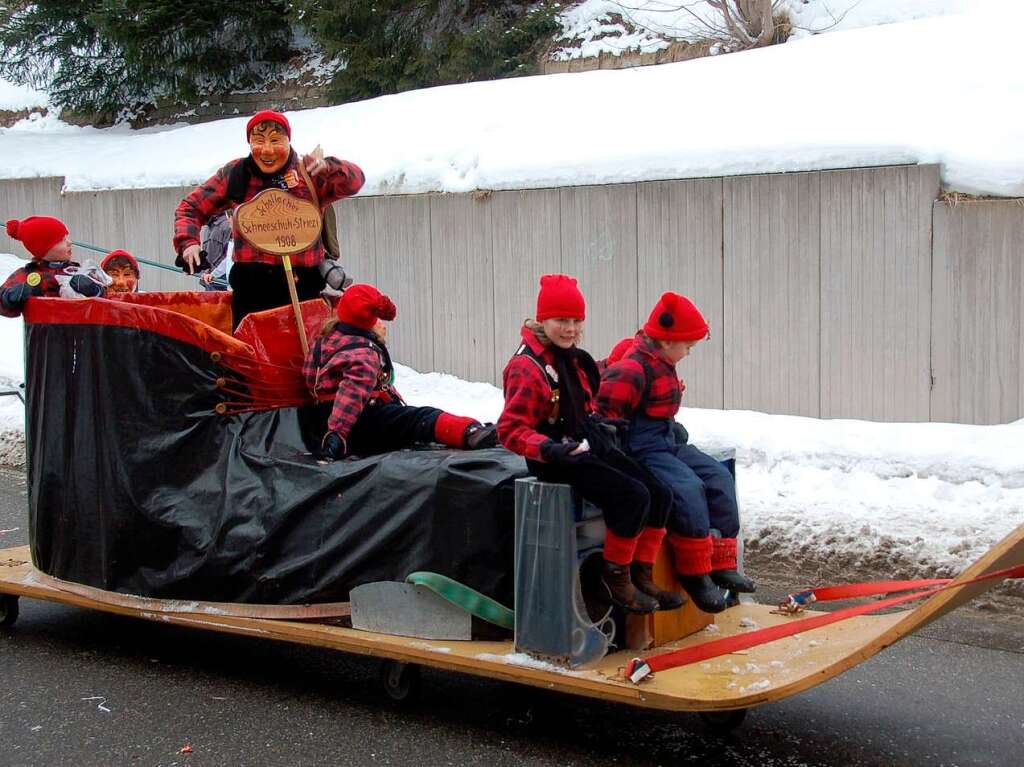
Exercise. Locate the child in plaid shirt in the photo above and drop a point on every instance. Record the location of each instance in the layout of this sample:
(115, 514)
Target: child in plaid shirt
(549, 419)
(349, 365)
(640, 384)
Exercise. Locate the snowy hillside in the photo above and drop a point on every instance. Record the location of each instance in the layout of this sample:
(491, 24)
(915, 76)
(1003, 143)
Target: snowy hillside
(867, 96)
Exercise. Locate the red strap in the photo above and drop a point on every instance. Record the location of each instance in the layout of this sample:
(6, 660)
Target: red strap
(873, 589)
(639, 668)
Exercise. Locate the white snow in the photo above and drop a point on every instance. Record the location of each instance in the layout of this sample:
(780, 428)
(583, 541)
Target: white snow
(943, 89)
(16, 98)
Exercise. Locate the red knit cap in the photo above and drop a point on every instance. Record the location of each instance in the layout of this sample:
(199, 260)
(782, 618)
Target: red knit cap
(123, 255)
(363, 305)
(560, 297)
(675, 318)
(271, 116)
(37, 233)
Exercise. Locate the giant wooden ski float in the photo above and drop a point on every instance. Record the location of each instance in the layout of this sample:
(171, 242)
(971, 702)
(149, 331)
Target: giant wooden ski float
(730, 683)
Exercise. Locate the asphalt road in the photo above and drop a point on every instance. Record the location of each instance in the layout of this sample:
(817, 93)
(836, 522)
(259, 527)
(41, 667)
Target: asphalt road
(83, 688)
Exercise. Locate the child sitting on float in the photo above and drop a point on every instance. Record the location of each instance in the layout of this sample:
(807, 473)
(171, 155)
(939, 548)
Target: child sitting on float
(349, 364)
(641, 384)
(50, 269)
(549, 419)
(123, 270)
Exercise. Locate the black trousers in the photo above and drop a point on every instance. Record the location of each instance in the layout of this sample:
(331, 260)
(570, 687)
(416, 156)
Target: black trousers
(629, 496)
(258, 287)
(383, 427)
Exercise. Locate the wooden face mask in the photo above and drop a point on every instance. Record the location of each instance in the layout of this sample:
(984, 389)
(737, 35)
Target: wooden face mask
(270, 146)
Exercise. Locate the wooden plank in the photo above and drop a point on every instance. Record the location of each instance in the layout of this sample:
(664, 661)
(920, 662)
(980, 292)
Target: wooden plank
(876, 292)
(771, 284)
(978, 312)
(463, 277)
(679, 248)
(788, 666)
(402, 235)
(357, 237)
(525, 242)
(599, 249)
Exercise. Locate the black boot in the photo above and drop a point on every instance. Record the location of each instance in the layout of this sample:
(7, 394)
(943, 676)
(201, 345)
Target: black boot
(480, 436)
(732, 580)
(643, 579)
(622, 593)
(704, 593)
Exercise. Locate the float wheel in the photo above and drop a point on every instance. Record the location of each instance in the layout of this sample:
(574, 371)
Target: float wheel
(401, 681)
(8, 610)
(723, 722)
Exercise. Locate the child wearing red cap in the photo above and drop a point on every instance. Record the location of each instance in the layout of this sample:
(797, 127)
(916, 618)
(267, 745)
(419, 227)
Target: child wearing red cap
(47, 239)
(641, 384)
(123, 270)
(349, 364)
(549, 419)
(258, 278)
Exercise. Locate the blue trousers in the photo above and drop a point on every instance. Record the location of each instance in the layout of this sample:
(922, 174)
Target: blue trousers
(703, 490)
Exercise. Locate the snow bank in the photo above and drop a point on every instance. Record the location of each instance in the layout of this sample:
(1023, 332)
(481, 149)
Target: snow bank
(869, 96)
(16, 98)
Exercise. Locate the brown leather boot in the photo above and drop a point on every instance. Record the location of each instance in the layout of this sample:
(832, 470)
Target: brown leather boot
(643, 579)
(621, 591)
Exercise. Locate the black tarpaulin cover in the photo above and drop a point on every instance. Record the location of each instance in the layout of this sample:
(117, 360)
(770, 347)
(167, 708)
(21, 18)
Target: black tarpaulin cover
(137, 485)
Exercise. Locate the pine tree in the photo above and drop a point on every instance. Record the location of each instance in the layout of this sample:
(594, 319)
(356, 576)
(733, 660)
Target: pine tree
(113, 57)
(395, 45)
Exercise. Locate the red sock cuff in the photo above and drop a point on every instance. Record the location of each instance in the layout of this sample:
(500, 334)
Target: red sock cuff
(648, 545)
(618, 550)
(450, 429)
(691, 556)
(723, 554)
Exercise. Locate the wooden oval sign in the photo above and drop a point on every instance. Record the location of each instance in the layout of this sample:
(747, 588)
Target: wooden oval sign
(278, 222)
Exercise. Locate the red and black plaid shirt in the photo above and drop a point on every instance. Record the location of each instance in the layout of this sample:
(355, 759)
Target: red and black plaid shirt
(340, 179)
(352, 377)
(48, 285)
(623, 383)
(528, 404)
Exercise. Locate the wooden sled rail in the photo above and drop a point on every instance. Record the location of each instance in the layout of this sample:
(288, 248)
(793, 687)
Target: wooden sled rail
(762, 674)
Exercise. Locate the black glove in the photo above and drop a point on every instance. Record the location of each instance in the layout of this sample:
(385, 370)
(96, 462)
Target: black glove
(85, 287)
(559, 452)
(333, 448)
(616, 425)
(14, 297)
(682, 435)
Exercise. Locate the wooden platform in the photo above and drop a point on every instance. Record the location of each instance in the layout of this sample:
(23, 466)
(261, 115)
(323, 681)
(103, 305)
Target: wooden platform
(760, 675)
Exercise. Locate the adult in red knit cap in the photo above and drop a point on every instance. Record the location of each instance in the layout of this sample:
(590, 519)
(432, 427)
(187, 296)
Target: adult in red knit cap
(123, 269)
(642, 385)
(349, 366)
(549, 419)
(258, 278)
(47, 239)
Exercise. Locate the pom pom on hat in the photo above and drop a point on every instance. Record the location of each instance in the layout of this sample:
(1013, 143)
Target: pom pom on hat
(37, 233)
(675, 318)
(362, 305)
(124, 255)
(560, 296)
(267, 115)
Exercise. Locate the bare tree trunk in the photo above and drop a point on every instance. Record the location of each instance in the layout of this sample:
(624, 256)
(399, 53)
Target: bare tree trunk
(748, 22)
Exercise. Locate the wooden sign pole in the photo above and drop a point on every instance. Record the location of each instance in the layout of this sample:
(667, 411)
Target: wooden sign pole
(293, 294)
(277, 222)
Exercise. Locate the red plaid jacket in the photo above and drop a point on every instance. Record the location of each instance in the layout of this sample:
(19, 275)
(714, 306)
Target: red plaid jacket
(641, 368)
(528, 405)
(340, 179)
(48, 285)
(348, 369)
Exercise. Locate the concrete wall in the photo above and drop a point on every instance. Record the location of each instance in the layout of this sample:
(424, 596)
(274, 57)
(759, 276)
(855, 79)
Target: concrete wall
(847, 293)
